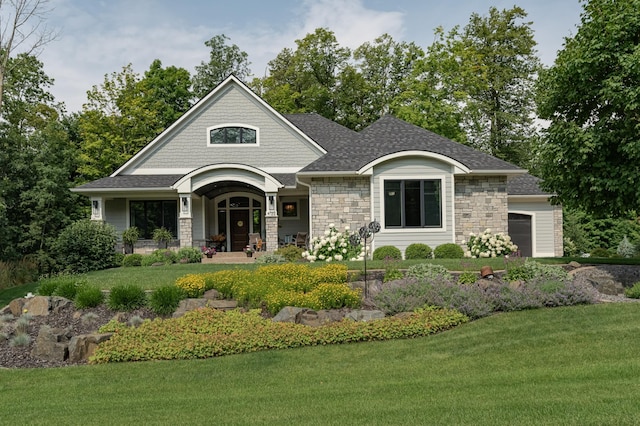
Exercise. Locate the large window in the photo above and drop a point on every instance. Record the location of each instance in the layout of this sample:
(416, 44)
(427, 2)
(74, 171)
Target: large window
(232, 135)
(150, 215)
(412, 204)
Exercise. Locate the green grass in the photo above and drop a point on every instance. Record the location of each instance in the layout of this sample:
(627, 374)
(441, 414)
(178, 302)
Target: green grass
(574, 366)
(7, 295)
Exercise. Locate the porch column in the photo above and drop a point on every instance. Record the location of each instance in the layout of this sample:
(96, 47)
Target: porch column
(186, 221)
(271, 221)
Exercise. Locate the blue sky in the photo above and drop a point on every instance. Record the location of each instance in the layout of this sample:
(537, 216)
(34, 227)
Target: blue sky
(98, 37)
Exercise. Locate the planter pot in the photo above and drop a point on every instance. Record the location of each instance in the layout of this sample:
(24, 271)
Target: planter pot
(249, 254)
(209, 255)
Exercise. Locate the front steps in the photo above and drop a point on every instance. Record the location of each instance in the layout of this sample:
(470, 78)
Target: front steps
(232, 257)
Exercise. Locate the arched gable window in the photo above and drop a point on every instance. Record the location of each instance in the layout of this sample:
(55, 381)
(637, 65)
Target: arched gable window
(233, 135)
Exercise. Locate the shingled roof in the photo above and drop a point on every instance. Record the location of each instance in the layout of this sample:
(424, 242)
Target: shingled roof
(326, 133)
(390, 135)
(525, 185)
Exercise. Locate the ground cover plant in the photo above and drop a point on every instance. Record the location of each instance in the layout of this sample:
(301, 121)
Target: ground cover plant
(209, 332)
(552, 366)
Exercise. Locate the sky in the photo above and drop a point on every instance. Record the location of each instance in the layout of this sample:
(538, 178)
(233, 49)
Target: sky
(100, 37)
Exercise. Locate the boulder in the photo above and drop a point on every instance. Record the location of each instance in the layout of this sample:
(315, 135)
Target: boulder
(187, 305)
(312, 318)
(16, 306)
(51, 344)
(38, 306)
(600, 278)
(224, 305)
(287, 314)
(83, 346)
(57, 304)
(363, 315)
(212, 294)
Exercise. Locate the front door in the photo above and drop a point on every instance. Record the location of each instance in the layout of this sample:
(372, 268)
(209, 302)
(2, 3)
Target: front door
(239, 229)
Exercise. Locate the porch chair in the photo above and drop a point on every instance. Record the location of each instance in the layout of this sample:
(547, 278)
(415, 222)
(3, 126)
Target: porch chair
(255, 242)
(301, 239)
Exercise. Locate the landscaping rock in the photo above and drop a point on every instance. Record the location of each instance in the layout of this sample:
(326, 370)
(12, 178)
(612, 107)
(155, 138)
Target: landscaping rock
(602, 278)
(224, 305)
(16, 306)
(187, 305)
(38, 306)
(83, 346)
(52, 344)
(212, 294)
(287, 314)
(312, 318)
(364, 316)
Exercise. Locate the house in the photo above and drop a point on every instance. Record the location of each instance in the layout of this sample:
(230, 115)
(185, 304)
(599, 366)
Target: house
(233, 165)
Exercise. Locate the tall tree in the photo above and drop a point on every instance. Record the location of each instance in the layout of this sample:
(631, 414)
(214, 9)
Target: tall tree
(22, 28)
(167, 91)
(223, 60)
(305, 80)
(115, 123)
(37, 163)
(488, 69)
(591, 95)
(383, 64)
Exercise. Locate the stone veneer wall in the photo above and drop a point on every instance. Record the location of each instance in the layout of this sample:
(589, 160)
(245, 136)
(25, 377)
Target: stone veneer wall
(186, 232)
(558, 237)
(480, 203)
(340, 200)
(271, 228)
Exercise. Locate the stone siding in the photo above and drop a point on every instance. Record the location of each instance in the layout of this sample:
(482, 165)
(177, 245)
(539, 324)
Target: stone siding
(480, 203)
(186, 232)
(344, 201)
(271, 227)
(558, 237)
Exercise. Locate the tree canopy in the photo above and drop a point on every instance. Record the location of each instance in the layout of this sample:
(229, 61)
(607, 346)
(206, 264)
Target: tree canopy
(591, 96)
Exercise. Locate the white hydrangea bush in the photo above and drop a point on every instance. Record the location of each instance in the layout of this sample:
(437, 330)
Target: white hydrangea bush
(333, 246)
(487, 244)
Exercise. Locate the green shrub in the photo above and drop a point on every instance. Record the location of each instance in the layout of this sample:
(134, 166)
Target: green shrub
(467, 277)
(626, 248)
(126, 297)
(192, 254)
(271, 258)
(131, 260)
(391, 270)
(633, 292)
(448, 251)
(67, 289)
(165, 300)
(428, 272)
(193, 285)
(384, 252)
(165, 256)
(291, 253)
(418, 251)
(85, 246)
(600, 252)
(88, 297)
(532, 270)
(118, 258)
(47, 286)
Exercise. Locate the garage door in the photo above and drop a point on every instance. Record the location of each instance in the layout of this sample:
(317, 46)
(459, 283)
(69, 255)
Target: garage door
(520, 233)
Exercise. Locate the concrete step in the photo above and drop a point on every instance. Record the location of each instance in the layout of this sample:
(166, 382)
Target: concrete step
(232, 257)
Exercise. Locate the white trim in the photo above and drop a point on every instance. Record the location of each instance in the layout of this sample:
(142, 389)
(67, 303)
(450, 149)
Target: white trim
(186, 117)
(459, 168)
(234, 125)
(160, 171)
(534, 231)
(510, 172)
(282, 170)
(417, 230)
(532, 198)
(372, 209)
(184, 184)
(453, 211)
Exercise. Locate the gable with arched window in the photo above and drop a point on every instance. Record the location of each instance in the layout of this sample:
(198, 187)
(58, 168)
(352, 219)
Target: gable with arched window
(232, 134)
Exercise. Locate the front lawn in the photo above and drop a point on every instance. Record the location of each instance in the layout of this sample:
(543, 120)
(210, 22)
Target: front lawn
(576, 365)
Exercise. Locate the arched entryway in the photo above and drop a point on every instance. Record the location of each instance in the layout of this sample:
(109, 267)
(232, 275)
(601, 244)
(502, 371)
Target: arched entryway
(237, 215)
(520, 231)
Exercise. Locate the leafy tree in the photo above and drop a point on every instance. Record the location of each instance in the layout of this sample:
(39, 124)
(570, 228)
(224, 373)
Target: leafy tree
(305, 80)
(21, 27)
(223, 60)
(37, 163)
(591, 97)
(484, 76)
(167, 91)
(116, 122)
(366, 90)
